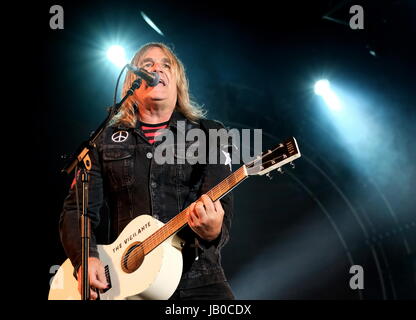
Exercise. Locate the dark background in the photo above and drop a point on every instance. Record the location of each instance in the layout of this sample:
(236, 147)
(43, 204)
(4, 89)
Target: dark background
(349, 201)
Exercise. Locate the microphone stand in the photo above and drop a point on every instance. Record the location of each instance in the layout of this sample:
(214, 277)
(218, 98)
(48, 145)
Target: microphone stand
(82, 159)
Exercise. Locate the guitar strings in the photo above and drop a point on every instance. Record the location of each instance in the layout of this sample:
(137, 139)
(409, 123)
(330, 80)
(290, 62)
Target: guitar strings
(171, 227)
(167, 230)
(253, 169)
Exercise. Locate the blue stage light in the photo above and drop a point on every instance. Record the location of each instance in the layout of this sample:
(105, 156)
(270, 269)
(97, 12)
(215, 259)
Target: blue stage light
(117, 56)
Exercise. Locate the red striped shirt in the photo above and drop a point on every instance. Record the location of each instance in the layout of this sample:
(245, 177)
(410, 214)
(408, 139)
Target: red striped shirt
(152, 130)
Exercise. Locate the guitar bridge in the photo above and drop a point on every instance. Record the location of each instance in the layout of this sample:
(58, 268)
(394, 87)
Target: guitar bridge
(108, 278)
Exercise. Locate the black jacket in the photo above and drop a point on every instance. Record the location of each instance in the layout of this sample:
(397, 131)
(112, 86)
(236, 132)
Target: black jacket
(126, 181)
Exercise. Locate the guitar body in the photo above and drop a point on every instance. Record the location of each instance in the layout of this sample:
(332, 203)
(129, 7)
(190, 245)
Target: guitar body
(156, 278)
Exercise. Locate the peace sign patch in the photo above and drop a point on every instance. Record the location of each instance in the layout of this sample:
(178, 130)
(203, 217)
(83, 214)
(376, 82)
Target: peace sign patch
(120, 136)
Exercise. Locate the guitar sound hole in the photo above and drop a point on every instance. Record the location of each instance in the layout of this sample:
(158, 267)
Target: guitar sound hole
(133, 258)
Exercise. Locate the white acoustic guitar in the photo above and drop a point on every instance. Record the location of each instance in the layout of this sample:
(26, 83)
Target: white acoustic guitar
(145, 262)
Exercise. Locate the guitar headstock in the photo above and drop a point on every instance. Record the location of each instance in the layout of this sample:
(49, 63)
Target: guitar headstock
(274, 158)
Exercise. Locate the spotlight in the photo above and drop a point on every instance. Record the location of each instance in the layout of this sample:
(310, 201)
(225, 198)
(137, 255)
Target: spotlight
(323, 88)
(117, 56)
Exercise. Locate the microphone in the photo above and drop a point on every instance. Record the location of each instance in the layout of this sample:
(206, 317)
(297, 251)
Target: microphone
(151, 78)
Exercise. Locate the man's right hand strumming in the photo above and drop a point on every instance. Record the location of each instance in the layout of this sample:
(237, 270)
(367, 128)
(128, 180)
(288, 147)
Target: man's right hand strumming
(96, 274)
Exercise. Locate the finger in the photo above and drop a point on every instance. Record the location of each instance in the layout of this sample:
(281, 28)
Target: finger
(191, 210)
(97, 275)
(97, 283)
(93, 295)
(218, 207)
(101, 276)
(200, 211)
(191, 219)
(209, 205)
(194, 212)
(191, 207)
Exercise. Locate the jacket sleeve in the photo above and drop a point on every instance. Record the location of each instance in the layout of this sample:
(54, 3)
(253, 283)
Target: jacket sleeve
(214, 173)
(69, 223)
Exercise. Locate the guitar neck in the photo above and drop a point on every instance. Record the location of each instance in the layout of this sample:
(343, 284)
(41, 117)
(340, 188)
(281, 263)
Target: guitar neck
(181, 219)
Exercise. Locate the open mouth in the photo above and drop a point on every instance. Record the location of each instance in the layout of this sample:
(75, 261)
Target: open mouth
(162, 82)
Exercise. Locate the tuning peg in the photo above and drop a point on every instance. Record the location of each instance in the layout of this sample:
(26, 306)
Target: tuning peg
(280, 170)
(268, 175)
(292, 165)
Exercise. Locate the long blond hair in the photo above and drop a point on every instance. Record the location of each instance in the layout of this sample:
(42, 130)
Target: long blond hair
(127, 115)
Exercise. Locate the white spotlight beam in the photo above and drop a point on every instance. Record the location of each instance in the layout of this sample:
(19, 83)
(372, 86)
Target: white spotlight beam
(117, 56)
(323, 89)
(151, 23)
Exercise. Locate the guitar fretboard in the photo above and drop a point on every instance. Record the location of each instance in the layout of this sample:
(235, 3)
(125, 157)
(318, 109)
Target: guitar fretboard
(181, 219)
